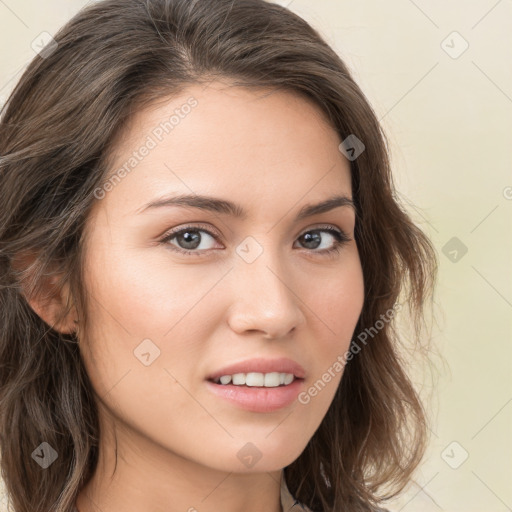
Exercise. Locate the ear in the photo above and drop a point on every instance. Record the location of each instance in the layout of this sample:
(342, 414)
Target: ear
(51, 301)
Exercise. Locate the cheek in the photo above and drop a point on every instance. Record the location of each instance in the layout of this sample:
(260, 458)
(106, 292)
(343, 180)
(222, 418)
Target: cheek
(335, 316)
(335, 306)
(140, 304)
(337, 301)
(146, 292)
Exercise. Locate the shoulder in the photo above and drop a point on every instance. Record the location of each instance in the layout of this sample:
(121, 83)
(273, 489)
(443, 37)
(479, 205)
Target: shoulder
(290, 504)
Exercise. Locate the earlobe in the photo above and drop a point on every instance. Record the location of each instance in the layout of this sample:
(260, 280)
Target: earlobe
(51, 300)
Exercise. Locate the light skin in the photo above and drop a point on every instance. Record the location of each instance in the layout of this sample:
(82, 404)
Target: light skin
(177, 443)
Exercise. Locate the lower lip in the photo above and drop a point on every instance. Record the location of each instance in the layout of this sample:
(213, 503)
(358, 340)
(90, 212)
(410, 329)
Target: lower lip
(258, 399)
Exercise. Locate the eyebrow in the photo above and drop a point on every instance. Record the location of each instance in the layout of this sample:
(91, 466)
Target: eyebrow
(226, 207)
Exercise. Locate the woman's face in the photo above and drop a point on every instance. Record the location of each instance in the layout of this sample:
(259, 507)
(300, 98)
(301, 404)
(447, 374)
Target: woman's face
(260, 285)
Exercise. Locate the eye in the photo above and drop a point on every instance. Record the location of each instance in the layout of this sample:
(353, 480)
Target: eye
(313, 239)
(188, 240)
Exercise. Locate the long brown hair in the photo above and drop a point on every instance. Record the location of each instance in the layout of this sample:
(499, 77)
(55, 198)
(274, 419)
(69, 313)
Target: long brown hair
(56, 134)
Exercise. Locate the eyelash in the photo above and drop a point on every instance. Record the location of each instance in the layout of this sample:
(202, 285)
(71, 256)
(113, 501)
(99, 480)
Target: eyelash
(340, 236)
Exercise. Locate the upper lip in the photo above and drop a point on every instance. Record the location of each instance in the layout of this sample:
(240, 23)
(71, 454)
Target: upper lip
(261, 365)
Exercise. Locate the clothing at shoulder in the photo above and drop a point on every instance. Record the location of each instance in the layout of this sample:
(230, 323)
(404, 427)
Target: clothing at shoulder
(290, 504)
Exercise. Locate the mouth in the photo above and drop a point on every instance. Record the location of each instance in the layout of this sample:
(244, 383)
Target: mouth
(258, 385)
(249, 394)
(259, 372)
(256, 379)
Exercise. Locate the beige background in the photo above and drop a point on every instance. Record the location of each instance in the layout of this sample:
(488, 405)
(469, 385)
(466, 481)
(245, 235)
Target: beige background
(448, 115)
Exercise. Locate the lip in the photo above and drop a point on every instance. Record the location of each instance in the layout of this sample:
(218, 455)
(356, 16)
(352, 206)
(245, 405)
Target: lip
(261, 365)
(258, 399)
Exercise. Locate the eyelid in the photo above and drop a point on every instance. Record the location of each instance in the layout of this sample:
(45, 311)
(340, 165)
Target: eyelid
(206, 227)
(213, 231)
(327, 227)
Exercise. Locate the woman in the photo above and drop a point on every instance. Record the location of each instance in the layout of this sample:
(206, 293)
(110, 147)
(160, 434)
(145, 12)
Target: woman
(201, 259)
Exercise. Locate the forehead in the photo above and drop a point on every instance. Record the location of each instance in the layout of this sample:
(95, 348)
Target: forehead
(223, 139)
(219, 112)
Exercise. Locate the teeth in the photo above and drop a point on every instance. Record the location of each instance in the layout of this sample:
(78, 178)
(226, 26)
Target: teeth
(268, 380)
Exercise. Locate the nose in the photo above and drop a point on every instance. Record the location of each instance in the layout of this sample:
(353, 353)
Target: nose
(264, 299)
